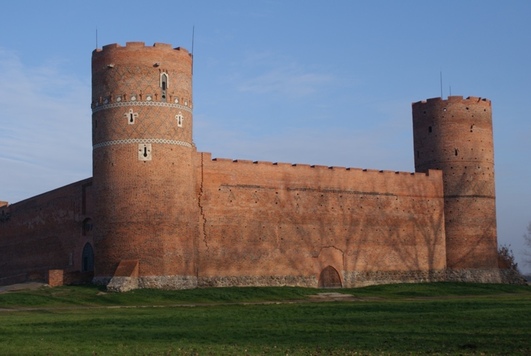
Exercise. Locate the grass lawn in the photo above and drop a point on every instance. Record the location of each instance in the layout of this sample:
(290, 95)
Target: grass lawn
(441, 318)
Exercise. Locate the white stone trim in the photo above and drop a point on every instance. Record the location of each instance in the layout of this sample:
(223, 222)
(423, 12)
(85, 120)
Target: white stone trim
(140, 103)
(142, 141)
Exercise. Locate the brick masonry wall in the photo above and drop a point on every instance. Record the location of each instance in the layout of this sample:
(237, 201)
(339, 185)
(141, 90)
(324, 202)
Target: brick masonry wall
(186, 220)
(266, 222)
(455, 135)
(44, 233)
(147, 208)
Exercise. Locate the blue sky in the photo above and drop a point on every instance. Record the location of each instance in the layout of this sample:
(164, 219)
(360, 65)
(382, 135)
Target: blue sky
(292, 81)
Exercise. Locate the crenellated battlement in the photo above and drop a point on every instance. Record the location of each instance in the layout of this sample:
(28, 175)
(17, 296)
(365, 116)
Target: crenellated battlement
(137, 45)
(455, 99)
(298, 166)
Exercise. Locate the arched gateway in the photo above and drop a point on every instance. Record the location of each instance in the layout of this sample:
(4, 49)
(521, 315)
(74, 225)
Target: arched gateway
(87, 258)
(329, 278)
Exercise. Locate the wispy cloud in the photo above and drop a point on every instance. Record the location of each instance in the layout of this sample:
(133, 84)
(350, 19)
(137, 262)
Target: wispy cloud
(267, 73)
(290, 82)
(45, 120)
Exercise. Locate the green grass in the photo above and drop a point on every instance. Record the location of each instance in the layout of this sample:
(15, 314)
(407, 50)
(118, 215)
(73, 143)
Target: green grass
(96, 296)
(442, 318)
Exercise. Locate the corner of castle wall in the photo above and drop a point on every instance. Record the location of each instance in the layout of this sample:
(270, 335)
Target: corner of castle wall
(436, 173)
(207, 156)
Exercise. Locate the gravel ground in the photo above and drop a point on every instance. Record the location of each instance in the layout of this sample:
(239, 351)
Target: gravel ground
(22, 286)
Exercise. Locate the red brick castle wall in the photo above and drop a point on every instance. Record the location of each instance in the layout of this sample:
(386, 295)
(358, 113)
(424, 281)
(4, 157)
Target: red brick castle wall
(278, 224)
(455, 136)
(167, 216)
(142, 163)
(46, 232)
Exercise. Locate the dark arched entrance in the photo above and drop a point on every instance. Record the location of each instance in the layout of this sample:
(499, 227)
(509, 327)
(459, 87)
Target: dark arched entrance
(87, 259)
(329, 278)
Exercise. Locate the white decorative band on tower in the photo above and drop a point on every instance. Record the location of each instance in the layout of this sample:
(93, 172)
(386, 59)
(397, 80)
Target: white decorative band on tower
(142, 140)
(140, 103)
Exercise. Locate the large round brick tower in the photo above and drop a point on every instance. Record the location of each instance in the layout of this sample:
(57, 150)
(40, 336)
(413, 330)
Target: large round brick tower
(455, 136)
(143, 176)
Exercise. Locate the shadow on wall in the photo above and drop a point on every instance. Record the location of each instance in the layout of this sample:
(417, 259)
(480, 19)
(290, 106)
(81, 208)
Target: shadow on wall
(285, 229)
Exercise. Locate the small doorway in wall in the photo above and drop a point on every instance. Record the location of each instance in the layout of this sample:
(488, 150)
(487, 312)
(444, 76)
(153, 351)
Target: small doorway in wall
(329, 278)
(87, 259)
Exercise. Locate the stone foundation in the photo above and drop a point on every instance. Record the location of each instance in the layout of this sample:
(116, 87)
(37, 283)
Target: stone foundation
(124, 284)
(349, 279)
(363, 279)
(494, 275)
(258, 281)
(511, 276)
(167, 282)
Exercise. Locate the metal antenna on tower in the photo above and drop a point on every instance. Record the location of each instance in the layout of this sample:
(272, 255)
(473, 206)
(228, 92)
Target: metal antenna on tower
(96, 38)
(193, 37)
(440, 79)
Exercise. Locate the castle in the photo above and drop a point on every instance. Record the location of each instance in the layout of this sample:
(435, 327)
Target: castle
(159, 214)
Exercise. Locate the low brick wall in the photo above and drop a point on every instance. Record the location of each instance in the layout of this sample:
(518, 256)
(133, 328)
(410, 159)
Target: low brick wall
(18, 278)
(55, 278)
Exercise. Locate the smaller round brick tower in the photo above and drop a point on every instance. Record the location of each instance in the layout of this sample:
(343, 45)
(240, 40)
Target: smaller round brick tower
(455, 136)
(143, 174)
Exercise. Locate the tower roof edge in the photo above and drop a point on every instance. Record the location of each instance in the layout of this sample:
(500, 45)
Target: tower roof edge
(139, 44)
